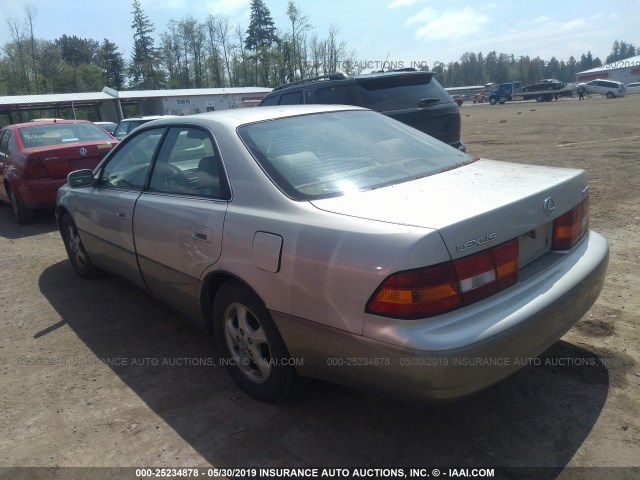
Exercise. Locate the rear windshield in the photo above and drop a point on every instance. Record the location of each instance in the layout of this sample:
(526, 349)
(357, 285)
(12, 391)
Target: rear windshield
(330, 154)
(61, 134)
(396, 92)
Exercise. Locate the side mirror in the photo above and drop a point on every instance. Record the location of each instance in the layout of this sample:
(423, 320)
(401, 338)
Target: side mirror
(80, 178)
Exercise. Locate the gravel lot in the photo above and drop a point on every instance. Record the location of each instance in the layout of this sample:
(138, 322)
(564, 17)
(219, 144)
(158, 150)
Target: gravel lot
(97, 373)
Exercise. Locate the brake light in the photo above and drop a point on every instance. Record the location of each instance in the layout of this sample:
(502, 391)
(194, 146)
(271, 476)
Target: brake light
(571, 227)
(430, 291)
(35, 169)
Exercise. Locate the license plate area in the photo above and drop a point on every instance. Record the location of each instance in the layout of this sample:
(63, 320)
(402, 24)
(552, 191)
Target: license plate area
(535, 243)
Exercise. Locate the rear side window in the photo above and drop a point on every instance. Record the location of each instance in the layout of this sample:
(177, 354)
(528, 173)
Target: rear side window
(395, 92)
(189, 164)
(339, 94)
(4, 145)
(269, 101)
(294, 98)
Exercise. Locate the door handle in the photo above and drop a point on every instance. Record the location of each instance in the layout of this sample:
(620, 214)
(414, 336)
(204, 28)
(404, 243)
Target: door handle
(201, 233)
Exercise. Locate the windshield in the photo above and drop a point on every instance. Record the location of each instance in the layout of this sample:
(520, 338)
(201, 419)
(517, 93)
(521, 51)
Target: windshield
(335, 153)
(61, 134)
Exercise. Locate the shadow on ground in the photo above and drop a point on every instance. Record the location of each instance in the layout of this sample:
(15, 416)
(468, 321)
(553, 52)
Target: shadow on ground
(538, 417)
(44, 222)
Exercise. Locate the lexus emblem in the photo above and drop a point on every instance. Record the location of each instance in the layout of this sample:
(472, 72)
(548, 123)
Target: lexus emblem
(83, 152)
(549, 206)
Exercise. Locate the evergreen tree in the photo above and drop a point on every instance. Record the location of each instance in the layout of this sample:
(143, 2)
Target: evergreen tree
(144, 58)
(262, 31)
(112, 64)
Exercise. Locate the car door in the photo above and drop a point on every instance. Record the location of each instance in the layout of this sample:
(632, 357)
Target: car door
(104, 214)
(179, 219)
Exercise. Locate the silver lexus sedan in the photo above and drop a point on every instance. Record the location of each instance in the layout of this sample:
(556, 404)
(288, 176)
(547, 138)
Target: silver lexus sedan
(333, 242)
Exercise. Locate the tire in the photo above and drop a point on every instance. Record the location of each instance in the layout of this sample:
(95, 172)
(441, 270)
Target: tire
(257, 358)
(78, 256)
(23, 214)
(492, 101)
(610, 95)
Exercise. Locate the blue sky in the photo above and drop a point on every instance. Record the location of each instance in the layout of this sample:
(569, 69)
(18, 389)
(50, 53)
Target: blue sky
(397, 30)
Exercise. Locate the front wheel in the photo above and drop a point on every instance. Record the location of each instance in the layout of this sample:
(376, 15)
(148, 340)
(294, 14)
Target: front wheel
(23, 214)
(610, 95)
(492, 101)
(255, 353)
(78, 256)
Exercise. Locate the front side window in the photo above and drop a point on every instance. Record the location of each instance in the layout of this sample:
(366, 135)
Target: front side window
(329, 154)
(189, 164)
(128, 167)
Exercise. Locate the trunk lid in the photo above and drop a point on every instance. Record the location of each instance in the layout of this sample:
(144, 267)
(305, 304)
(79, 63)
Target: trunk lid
(59, 160)
(476, 206)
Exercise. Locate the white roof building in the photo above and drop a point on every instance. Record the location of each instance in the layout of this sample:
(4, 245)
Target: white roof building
(109, 103)
(625, 71)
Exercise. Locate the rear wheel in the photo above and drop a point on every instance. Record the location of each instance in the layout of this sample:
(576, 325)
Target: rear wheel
(256, 355)
(23, 214)
(78, 256)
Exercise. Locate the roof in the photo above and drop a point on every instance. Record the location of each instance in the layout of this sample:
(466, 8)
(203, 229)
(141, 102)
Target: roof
(110, 94)
(185, 92)
(627, 62)
(241, 116)
(55, 98)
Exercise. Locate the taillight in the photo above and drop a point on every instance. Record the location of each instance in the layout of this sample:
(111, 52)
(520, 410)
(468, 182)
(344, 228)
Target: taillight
(430, 291)
(417, 293)
(104, 148)
(571, 227)
(35, 169)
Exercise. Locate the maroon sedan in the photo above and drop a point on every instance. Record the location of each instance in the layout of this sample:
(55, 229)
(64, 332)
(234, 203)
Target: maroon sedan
(36, 157)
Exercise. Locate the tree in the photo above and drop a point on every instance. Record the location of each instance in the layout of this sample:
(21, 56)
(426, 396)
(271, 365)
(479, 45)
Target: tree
(110, 60)
(299, 25)
(219, 30)
(620, 51)
(262, 31)
(76, 52)
(30, 13)
(144, 59)
(18, 55)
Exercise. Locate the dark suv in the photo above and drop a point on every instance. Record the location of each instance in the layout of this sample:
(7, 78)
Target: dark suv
(410, 96)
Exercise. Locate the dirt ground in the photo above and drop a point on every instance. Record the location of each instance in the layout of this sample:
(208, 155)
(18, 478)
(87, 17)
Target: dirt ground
(97, 373)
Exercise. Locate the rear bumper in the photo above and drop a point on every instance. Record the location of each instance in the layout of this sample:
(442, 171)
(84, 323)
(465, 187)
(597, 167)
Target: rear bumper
(39, 193)
(463, 352)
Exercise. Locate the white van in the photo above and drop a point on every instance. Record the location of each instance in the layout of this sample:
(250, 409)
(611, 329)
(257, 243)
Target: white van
(610, 88)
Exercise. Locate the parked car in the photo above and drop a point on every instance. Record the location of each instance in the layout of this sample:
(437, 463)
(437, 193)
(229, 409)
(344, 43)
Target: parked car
(36, 157)
(459, 99)
(610, 88)
(127, 125)
(545, 84)
(632, 88)
(337, 243)
(109, 127)
(412, 97)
